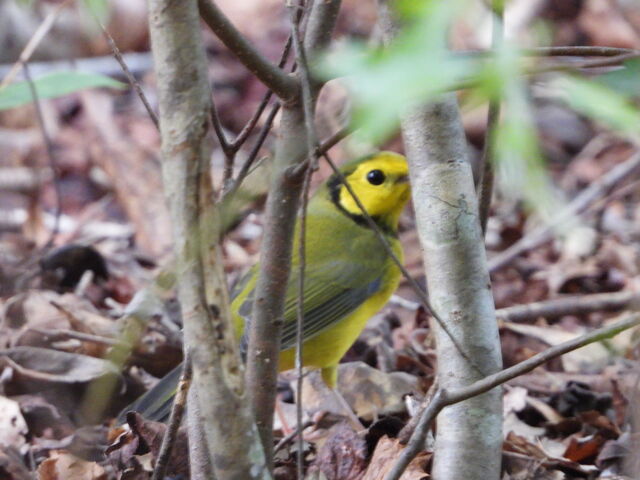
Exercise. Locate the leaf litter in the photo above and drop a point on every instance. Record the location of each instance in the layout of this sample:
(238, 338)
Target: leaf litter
(62, 326)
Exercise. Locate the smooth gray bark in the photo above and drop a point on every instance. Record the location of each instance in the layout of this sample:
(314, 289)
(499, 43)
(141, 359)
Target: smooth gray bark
(277, 240)
(184, 97)
(469, 434)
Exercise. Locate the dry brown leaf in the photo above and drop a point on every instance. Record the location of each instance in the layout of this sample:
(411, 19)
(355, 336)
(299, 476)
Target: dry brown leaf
(592, 355)
(12, 466)
(64, 466)
(343, 455)
(368, 391)
(386, 454)
(584, 448)
(52, 366)
(139, 447)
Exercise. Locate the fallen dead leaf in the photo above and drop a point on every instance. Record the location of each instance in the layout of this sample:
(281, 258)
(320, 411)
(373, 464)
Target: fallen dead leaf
(368, 391)
(343, 455)
(64, 466)
(583, 449)
(52, 366)
(140, 446)
(590, 356)
(386, 454)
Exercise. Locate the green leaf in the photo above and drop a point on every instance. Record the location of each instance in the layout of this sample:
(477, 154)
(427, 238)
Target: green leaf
(600, 103)
(413, 69)
(99, 8)
(519, 162)
(625, 80)
(54, 85)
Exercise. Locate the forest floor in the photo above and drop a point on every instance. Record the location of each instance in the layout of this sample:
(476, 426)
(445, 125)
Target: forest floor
(66, 368)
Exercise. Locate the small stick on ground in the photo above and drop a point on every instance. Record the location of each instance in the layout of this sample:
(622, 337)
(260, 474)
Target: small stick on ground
(62, 334)
(33, 43)
(50, 155)
(177, 411)
(573, 305)
(579, 204)
(287, 439)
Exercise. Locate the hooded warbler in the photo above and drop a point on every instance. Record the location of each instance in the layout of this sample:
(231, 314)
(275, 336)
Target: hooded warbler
(348, 274)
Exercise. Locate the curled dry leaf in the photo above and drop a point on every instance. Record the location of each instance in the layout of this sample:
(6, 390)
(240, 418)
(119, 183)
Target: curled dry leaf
(368, 391)
(519, 445)
(590, 356)
(139, 447)
(52, 366)
(386, 454)
(63, 466)
(343, 455)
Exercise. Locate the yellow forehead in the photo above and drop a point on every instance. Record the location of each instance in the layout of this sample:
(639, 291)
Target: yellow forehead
(392, 164)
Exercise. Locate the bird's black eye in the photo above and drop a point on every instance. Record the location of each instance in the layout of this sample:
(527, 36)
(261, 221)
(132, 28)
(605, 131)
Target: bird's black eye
(375, 177)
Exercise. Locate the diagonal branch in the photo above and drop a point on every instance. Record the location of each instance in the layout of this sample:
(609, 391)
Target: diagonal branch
(273, 77)
(443, 398)
(580, 203)
(275, 254)
(485, 184)
(231, 439)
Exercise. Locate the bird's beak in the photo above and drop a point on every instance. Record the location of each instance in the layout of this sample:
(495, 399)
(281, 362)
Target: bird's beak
(403, 179)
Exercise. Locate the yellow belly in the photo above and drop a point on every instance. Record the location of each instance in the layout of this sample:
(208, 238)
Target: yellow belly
(327, 348)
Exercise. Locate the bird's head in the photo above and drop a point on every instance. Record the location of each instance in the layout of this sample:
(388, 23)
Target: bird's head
(381, 183)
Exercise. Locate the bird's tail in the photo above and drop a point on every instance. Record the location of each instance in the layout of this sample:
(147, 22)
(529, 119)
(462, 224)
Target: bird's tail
(156, 403)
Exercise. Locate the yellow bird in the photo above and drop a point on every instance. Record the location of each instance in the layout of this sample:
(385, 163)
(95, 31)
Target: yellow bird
(348, 274)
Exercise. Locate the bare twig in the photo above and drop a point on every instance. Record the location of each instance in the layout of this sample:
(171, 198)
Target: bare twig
(573, 305)
(248, 128)
(324, 146)
(443, 398)
(485, 184)
(62, 334)
(273, 77)
(285, 440)
(581, 202)
(296, 14)
(594, 63)
(130, 78)
(50, 155)
(333, 140)
(231, 148)
(577, 51)
(177, 411)
(33, 43)
(564, 51)
(282, 206)
(555, 67)
(232, 441)
(253, 154)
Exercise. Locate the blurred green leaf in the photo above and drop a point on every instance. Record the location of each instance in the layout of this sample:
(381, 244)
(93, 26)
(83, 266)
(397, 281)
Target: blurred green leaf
(414, 68)
(600, 103)
(95, 10)
(54, 85)
(519, 162)
(625, 80)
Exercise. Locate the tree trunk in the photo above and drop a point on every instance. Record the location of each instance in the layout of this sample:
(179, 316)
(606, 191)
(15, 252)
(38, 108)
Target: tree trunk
(233, 444)
(469, 434)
